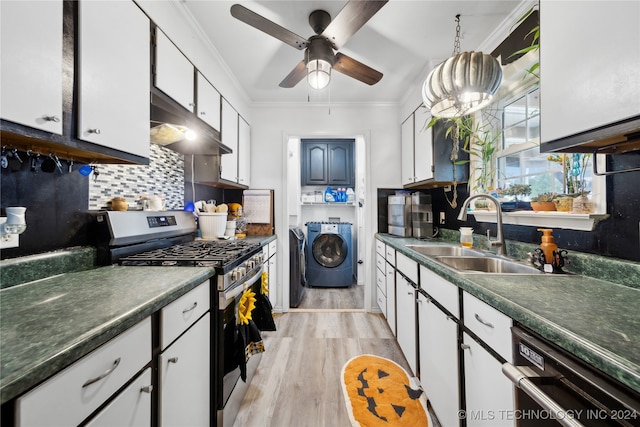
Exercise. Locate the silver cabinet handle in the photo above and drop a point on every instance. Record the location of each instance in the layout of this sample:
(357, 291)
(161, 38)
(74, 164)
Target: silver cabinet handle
(96, 131)
(173, 360)
(54, 119)
(104, 375)
(453, 319)
(146, 389)
(203, 113)
(484, 322)
(525, 384)
(465, 346)
(186, 310)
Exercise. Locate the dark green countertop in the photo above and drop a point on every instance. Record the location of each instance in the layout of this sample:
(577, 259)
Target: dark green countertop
(48, 324)
(595, 320)
(56, 307)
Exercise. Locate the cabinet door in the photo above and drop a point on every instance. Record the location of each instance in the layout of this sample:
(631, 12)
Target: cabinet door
(185, 378)
(438, 349)
(132, 407)
(114, 95)
(340, 164)
(489, 394)
(406, 319)
(31, 66)
(174, 73)
(244, 152)
(208, 103)
(273, 275)
(408, 175)
(229, 131)
(74, 393)
(422, 145)
(603, 86)
(391, 298)
(315, 166)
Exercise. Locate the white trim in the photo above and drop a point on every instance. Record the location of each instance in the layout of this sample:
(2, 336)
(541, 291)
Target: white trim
(568, 221)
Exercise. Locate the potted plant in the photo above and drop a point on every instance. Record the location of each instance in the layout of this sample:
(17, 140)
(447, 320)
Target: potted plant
(515, 191)
(543, 202)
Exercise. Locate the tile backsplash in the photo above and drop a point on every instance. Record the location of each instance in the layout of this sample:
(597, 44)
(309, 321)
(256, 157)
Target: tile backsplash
(164, 176)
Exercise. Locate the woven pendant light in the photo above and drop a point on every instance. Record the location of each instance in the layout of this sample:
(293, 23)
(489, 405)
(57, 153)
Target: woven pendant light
(463, 84)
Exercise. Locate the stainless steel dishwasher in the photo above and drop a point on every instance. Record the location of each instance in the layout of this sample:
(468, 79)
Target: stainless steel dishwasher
(554, 388)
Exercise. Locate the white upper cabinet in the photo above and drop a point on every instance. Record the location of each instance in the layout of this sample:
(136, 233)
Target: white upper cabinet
(174, 72)
(208, 102)
(31, 66)
(422, 145)
(408, 175)
(113, 81)
(244, 151)
(417, 148)
(229, 131)
(589, 65)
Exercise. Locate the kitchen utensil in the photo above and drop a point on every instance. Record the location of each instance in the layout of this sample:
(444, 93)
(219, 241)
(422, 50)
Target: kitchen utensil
(35, 159)
(85, 170)
(48, 165)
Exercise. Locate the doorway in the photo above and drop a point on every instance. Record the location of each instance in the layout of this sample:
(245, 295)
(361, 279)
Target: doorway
(306, 205)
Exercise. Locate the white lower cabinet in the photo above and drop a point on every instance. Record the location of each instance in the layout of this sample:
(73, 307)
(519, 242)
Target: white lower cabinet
(438, 349)
(132, 407)
(74, 393)
(406, 320)
(390, 283)
(184, 378)
(489, 394)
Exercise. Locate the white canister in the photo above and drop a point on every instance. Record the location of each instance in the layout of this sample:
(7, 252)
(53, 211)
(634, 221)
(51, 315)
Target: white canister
(231, 228)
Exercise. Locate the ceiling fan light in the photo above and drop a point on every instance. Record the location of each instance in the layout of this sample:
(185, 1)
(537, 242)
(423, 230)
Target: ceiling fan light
(461, 85)
(318, 73)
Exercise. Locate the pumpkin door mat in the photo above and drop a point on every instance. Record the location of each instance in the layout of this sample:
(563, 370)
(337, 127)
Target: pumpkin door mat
(378, 392)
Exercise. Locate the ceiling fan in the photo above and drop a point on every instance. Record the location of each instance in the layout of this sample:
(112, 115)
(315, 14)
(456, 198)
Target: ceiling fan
(319, 57)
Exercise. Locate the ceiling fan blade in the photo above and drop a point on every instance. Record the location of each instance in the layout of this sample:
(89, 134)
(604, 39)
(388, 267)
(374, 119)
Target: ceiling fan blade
(294, 77)
(350, 19)
(263, 24)
(352, 68)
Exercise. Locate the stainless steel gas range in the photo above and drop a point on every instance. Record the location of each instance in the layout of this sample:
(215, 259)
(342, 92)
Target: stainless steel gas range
(145, 238)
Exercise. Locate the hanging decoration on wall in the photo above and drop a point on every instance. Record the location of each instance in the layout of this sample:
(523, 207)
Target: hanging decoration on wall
(463, 84)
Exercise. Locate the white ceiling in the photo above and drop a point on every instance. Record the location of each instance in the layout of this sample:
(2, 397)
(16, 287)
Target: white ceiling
(403, 41)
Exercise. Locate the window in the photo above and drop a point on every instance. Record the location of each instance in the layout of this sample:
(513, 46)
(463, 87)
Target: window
(519, 160)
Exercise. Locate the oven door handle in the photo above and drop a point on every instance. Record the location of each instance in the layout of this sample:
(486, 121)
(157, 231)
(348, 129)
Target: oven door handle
(518, 377)
(247, 284)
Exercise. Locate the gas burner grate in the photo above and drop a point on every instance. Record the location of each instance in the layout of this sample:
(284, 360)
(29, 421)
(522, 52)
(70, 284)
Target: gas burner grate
(197, 253)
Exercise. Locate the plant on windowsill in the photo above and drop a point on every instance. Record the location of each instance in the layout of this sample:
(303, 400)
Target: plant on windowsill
(515, 191)
(543, 202)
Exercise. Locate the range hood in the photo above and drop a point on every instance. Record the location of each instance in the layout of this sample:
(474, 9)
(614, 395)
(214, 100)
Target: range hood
(169, 120)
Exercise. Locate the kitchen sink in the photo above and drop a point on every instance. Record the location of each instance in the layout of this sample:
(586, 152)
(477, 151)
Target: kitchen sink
(441, 250)
(486, 264)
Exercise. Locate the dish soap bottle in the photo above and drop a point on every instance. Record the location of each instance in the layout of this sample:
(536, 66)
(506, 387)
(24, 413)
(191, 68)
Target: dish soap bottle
(548, 248)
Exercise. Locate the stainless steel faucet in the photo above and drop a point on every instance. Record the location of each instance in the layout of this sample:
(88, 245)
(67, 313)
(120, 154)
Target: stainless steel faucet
(499, 242)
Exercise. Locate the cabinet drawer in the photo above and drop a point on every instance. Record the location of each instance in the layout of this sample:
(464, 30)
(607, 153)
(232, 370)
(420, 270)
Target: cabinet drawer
(380, 247)
(380, 263)
(441, 290)
(272, 248)
(176, 317)
(381, 280)
(132, 407)
(382, 300)
(390, 255)
(74, 393)
(491, 326)
(407, 266)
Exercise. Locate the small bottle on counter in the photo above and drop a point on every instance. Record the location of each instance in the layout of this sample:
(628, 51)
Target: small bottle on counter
(548, 247)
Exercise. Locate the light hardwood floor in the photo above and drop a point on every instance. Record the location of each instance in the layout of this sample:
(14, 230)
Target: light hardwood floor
(333, 298)
(297, 383)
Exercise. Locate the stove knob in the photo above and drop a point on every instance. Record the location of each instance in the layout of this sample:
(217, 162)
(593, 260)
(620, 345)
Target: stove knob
(242, 271)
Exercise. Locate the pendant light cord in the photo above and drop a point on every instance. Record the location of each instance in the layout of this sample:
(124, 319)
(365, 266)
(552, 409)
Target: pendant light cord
(456, 41)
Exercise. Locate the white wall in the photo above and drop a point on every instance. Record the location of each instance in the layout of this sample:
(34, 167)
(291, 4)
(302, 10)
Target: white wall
(271, 128)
